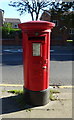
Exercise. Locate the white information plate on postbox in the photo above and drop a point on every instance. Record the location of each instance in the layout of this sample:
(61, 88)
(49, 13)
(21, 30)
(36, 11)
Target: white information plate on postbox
(36, 49)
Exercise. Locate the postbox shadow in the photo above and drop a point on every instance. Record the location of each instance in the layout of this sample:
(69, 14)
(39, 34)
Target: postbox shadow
(13, 104)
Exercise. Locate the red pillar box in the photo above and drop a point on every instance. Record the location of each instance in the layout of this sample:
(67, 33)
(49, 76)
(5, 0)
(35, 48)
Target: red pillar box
(36, 59)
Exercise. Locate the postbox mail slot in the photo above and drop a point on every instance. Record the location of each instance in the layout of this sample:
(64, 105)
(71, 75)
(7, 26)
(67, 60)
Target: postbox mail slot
(36, 38)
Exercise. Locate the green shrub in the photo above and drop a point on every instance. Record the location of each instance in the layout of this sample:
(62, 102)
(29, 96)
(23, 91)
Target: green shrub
(10, 33)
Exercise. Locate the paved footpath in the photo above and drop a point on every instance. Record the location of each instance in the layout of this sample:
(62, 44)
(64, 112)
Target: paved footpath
(60, 108)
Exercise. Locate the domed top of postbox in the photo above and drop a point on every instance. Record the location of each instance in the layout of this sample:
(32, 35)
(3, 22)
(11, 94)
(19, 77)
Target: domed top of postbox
(36, 25)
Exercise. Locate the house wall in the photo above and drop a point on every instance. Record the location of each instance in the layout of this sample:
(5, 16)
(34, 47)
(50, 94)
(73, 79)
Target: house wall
(45, 16)
(15, 25)
(13, 22)
(1, 17)
(61, 32)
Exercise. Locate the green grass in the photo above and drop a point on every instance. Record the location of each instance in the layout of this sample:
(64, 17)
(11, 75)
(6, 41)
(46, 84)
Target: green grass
(52, 96)
(54, 91)
(3, 90)
(28, 110)
(16, 91)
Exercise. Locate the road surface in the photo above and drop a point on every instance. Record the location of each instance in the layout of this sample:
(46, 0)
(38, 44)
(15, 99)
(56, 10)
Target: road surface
(60, 66)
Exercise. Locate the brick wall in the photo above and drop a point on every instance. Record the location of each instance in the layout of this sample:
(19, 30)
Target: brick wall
(11, 42)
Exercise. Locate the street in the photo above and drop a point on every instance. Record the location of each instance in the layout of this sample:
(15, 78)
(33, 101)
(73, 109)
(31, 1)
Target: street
(60, 66)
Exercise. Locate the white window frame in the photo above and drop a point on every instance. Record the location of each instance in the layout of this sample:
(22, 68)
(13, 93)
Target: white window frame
(56, 22)
(71, 30)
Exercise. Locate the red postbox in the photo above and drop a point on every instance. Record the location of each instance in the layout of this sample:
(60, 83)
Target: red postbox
(36, 55)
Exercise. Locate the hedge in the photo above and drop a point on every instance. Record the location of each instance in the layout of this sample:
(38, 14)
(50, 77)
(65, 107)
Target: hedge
(10, 33)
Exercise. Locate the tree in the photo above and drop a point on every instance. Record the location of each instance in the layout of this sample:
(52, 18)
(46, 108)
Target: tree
(65, 10)
(33, 7)
(62, 7)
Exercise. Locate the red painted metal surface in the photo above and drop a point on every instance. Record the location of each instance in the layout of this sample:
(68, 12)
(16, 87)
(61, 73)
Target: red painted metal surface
(34, 25)
(36, 54)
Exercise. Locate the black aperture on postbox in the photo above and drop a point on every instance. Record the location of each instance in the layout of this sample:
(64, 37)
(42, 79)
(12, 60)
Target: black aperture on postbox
(36, 38)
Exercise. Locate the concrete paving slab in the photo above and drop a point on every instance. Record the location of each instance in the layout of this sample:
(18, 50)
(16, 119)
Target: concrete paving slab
(60, 108)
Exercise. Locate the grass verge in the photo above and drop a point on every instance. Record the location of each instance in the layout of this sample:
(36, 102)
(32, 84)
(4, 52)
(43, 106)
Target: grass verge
(16, 91)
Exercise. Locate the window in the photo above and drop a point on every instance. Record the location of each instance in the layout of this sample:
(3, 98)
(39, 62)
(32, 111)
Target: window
(36, 49)
(16, 26)
(71, 30)
(62, 18)
(56, 22)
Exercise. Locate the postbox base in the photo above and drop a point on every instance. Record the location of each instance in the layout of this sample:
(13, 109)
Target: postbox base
(36, 98)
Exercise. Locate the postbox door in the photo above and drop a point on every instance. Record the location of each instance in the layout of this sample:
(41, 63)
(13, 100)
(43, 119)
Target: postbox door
(38, 65)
